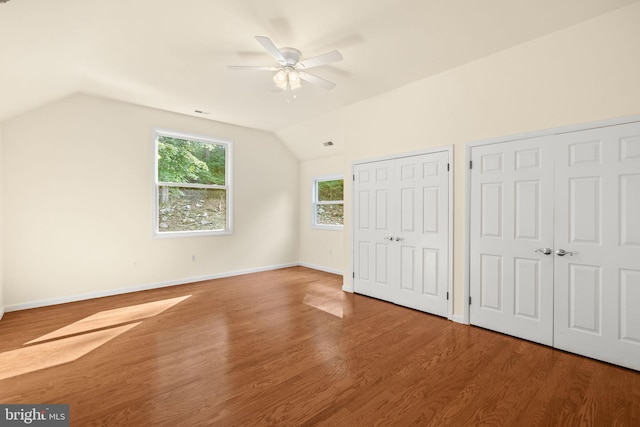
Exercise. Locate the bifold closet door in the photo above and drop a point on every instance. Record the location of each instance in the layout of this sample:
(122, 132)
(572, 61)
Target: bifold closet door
(555, 241)
(374, 219)
(511, 232)
(597, 244)
(401, 231)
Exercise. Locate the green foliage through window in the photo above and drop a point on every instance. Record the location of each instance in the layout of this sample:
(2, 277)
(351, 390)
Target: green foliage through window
(328, 203)
(331, 190)
(186, 161)
(192, 189)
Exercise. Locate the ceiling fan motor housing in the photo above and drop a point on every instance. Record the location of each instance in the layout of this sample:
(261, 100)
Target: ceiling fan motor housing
(290, 55)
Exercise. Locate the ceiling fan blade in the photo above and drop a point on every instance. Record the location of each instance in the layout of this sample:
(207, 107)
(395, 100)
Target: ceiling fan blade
(271, 48)
(318, 81)
(325, 58)
(252, 67)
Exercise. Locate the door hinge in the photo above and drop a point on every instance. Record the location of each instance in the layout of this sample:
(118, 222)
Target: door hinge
(447, 296)
(470, 164)
(354, 275)
(448, 167)
(469, 300)
(354, 176)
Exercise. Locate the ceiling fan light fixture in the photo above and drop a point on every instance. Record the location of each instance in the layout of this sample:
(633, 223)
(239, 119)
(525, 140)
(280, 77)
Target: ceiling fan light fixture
(287, 79)
(280, 79)
(294, 80)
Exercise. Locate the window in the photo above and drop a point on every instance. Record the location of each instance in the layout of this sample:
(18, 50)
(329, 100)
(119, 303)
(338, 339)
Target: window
(328, 202)
(193, 185)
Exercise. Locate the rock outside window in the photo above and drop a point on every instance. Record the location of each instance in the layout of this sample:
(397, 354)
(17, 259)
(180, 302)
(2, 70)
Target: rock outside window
(328, 202)
(193, 185)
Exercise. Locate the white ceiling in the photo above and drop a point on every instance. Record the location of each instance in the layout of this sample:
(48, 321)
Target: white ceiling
(173, 55)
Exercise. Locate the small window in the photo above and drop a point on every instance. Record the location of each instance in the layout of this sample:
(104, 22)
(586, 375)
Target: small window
(328, 202)
(193, 185)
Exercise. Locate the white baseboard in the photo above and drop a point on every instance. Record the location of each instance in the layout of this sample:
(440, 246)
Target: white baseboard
(1, 312)
(111, 292)
(317, 267)
(458, 318)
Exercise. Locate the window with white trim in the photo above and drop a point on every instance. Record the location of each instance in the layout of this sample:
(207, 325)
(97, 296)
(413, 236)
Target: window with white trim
(328, 202)
(193, 185)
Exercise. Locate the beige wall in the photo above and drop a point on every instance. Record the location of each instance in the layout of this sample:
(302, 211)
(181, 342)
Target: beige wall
(584, 73)
(78, 202)
(1, 235)
(321, 249)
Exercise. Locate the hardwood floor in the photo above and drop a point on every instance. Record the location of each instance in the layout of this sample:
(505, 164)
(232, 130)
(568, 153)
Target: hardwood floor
(288, 347)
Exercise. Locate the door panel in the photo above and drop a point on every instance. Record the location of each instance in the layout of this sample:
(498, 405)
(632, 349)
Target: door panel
(511, 217)
(585, 298)
(527, 210)
(373, 260)
(527, 288)
(430, 271)
(407, 269)
(407, 210)
(597, 290)
(408, 202)
(584, 210)
(423, 185)
(630, 210)
(363, 265)
(491, 209)
(491, 282)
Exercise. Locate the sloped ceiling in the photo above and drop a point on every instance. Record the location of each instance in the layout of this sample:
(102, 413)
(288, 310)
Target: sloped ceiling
(173, 55)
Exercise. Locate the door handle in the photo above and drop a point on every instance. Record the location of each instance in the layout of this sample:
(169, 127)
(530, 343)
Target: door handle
(389, 238)
(562, 252)
(545, 251)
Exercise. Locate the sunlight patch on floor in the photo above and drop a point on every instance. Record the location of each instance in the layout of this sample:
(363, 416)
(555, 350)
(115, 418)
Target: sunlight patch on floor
(108, 318)
(57, 352)
(325, 298)
(73, 341)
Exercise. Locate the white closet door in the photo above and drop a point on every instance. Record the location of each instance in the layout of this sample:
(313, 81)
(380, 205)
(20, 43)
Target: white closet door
(401, 231)
(423, 231)
(511, 278)
(374, 218)
(597, 283)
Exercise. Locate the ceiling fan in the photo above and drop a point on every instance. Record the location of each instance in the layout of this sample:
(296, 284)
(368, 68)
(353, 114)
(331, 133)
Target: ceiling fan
(291, 70)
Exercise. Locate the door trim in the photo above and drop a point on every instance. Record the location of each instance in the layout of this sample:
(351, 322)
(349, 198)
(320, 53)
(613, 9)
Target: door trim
(348, 285)
(467, 184)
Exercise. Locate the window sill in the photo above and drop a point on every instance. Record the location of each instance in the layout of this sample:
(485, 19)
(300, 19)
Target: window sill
(175, 234)
(328, 227)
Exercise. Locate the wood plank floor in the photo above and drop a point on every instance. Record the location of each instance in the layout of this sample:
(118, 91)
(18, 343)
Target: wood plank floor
(288, 347)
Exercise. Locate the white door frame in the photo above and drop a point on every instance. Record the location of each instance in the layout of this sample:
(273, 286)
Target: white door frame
(467, 186)
(349, 284)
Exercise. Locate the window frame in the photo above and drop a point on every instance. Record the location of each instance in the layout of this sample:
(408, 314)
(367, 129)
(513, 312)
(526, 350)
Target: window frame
(315, 202)
(228, 185)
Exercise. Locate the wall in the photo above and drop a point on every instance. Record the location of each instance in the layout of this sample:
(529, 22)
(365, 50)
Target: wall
(306, 140)
(583, 73)
(78, 196)
(1, 235)
(320, 249)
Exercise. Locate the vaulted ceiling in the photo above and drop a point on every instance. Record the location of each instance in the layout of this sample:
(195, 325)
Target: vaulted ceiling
(173, 55)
